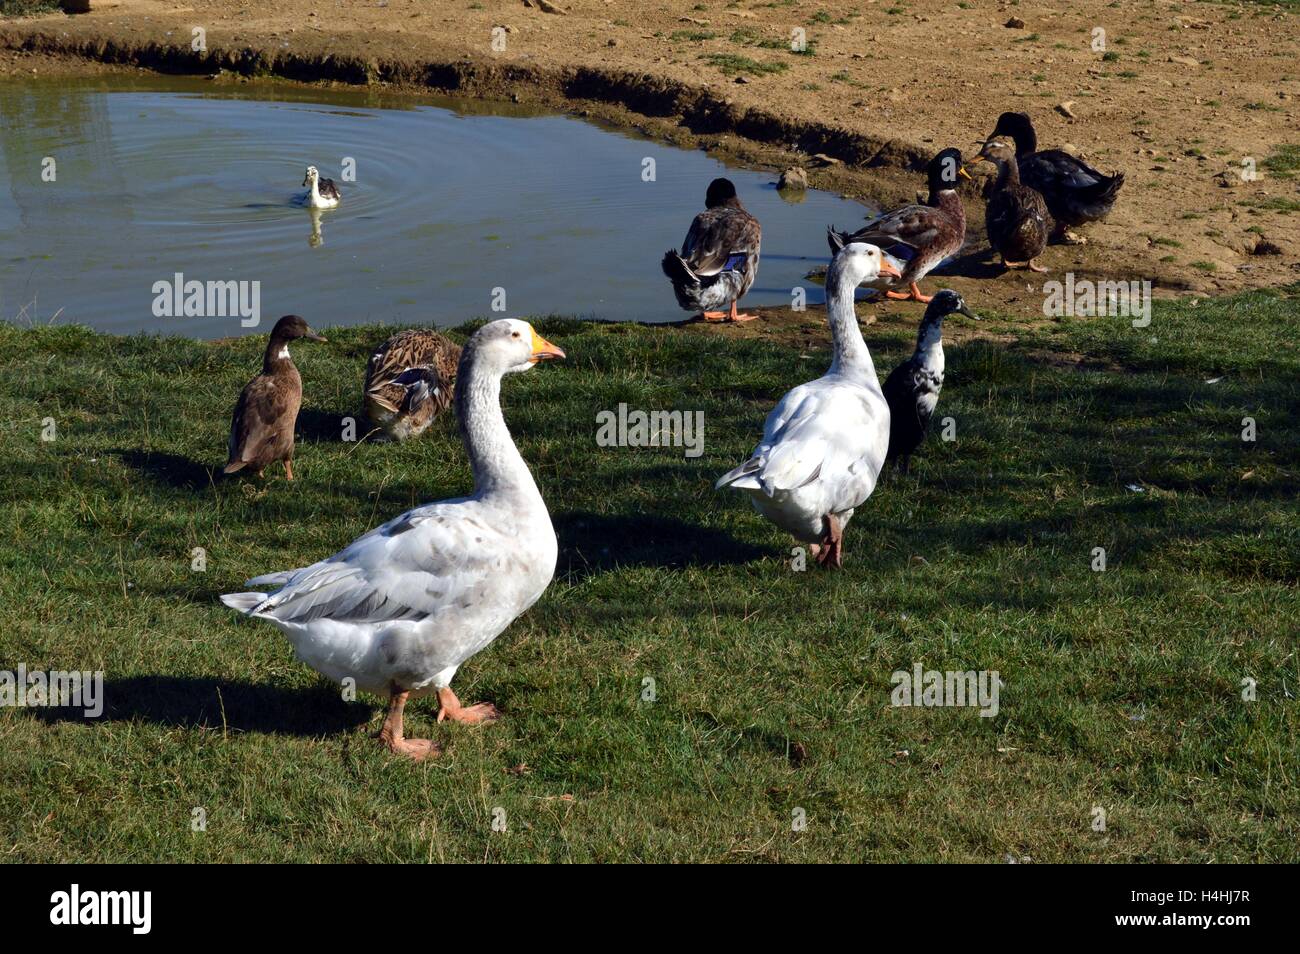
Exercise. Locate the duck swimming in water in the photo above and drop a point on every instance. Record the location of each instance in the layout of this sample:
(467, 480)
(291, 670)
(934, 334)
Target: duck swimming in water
(323, 193)
(719, 258)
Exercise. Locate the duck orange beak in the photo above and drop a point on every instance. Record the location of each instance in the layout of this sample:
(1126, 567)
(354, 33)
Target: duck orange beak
(543, 350)
(961, 171)
(890, 270)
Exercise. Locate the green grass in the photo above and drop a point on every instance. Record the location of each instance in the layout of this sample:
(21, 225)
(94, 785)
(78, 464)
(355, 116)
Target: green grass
(1122, 688)
(731, 63)
(27, 8)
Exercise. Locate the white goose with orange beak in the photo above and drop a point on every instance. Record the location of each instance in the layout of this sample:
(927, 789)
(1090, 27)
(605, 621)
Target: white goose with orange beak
(403, 606)
(825, 442)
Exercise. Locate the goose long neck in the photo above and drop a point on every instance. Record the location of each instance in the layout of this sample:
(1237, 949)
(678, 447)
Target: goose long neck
(851, 354)
(497, 465)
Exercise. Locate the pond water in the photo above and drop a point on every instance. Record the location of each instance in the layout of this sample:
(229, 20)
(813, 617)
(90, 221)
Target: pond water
(113, 187)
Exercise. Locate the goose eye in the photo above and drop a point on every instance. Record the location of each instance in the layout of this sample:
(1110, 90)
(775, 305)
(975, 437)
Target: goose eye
(514, 334)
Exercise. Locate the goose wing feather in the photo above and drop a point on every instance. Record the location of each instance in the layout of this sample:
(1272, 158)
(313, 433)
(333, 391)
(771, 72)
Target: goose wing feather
(418, 565)
(822, 431)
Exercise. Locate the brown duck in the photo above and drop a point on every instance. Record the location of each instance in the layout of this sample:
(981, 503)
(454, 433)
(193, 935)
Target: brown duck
(1015, 216)
(409, 381)
(261, 431)
(918, 237)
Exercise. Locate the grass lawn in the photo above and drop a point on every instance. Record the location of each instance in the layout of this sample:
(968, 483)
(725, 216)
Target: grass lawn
(1122, 689)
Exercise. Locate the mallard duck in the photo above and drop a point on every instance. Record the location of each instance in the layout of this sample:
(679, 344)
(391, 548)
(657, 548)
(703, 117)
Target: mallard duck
(324, 193)
(1074, 191)
(402, 607)
(261, 430)
(1015, 215)
(409, 381)
(919, 236)
(719, 259)
(824, 443)
(912, 388)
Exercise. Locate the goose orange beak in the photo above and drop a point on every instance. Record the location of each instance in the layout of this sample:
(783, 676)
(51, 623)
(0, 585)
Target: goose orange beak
(543, 350)
(890, 270)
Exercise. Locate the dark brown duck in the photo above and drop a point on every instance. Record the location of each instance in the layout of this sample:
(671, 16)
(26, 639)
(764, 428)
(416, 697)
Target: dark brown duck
(261, 430)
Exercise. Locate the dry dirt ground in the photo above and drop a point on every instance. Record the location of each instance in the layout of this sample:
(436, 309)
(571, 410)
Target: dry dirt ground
(1179, 97)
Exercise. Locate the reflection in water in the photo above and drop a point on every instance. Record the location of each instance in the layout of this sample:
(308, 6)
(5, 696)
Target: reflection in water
(315, 240)
(450, 202)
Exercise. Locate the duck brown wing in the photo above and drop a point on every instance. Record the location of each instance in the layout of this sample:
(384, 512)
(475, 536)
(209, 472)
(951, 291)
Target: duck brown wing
(328, 189)
(262, 423)
(406, 351)
(914, 225)
(715, 235)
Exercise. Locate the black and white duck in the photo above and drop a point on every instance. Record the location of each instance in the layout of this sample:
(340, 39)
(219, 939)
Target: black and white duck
(1074, 191)
(322, 193)
(719, 258)
(912, 389)
(261, 429)
(1015, 216)
(919, 237)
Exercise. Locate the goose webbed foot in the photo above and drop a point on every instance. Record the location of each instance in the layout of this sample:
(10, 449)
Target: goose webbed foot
(391, 734)
(731, 315)
(914, 294)
(829, 551)
(450, 708)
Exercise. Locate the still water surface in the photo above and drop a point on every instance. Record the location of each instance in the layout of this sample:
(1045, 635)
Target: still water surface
(451, 202)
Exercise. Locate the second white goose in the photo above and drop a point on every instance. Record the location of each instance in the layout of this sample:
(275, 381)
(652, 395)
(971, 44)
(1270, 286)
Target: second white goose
(825, 442)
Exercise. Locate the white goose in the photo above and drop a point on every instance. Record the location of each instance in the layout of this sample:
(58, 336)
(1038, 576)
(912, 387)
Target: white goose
(401, 607)
(825, 442)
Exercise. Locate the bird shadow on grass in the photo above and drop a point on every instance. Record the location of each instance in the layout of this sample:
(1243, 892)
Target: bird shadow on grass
(591, 543)
(200, 702)
(317, 426)
(169, 470)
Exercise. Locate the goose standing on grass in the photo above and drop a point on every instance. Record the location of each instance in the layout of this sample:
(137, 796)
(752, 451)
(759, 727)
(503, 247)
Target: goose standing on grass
(402, 607)
(409, 381)
(719, 258)
(920, 236)
(1015, 215)
(824, 444)
(323, 193)
(261, 429)
(1074, 191)
(912, 388)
